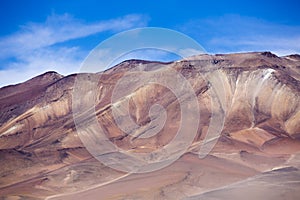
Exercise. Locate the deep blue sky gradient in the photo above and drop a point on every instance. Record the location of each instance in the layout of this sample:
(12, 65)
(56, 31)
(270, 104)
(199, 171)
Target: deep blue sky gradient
(167, 13)
(219, 26)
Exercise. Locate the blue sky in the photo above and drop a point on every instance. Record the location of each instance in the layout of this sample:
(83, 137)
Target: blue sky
(37, 36)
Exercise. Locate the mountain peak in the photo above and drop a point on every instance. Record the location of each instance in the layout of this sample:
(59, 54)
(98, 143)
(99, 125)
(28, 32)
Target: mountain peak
(252, 100)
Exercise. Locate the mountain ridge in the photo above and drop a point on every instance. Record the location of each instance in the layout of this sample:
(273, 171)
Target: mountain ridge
(259, 95)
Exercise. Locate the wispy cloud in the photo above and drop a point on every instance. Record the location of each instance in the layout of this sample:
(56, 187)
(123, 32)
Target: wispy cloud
(38, 47)
(235, 33)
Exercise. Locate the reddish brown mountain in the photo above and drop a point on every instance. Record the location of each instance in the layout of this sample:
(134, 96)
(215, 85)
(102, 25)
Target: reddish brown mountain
(258, 94)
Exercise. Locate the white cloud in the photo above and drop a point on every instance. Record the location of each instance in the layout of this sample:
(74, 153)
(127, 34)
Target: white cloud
(61, 28)
(33, 63)
(235, 33)
(38, 47)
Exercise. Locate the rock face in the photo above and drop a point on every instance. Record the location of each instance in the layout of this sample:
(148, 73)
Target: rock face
(258, 106)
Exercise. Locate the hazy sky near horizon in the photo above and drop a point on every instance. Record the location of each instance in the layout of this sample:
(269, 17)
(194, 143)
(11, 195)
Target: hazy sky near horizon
(38, 36)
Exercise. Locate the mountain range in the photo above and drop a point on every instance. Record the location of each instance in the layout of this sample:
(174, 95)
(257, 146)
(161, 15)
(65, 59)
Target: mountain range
(244, 142)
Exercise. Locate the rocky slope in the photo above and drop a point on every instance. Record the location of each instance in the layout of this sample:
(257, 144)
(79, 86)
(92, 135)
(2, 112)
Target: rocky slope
(257, 95)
